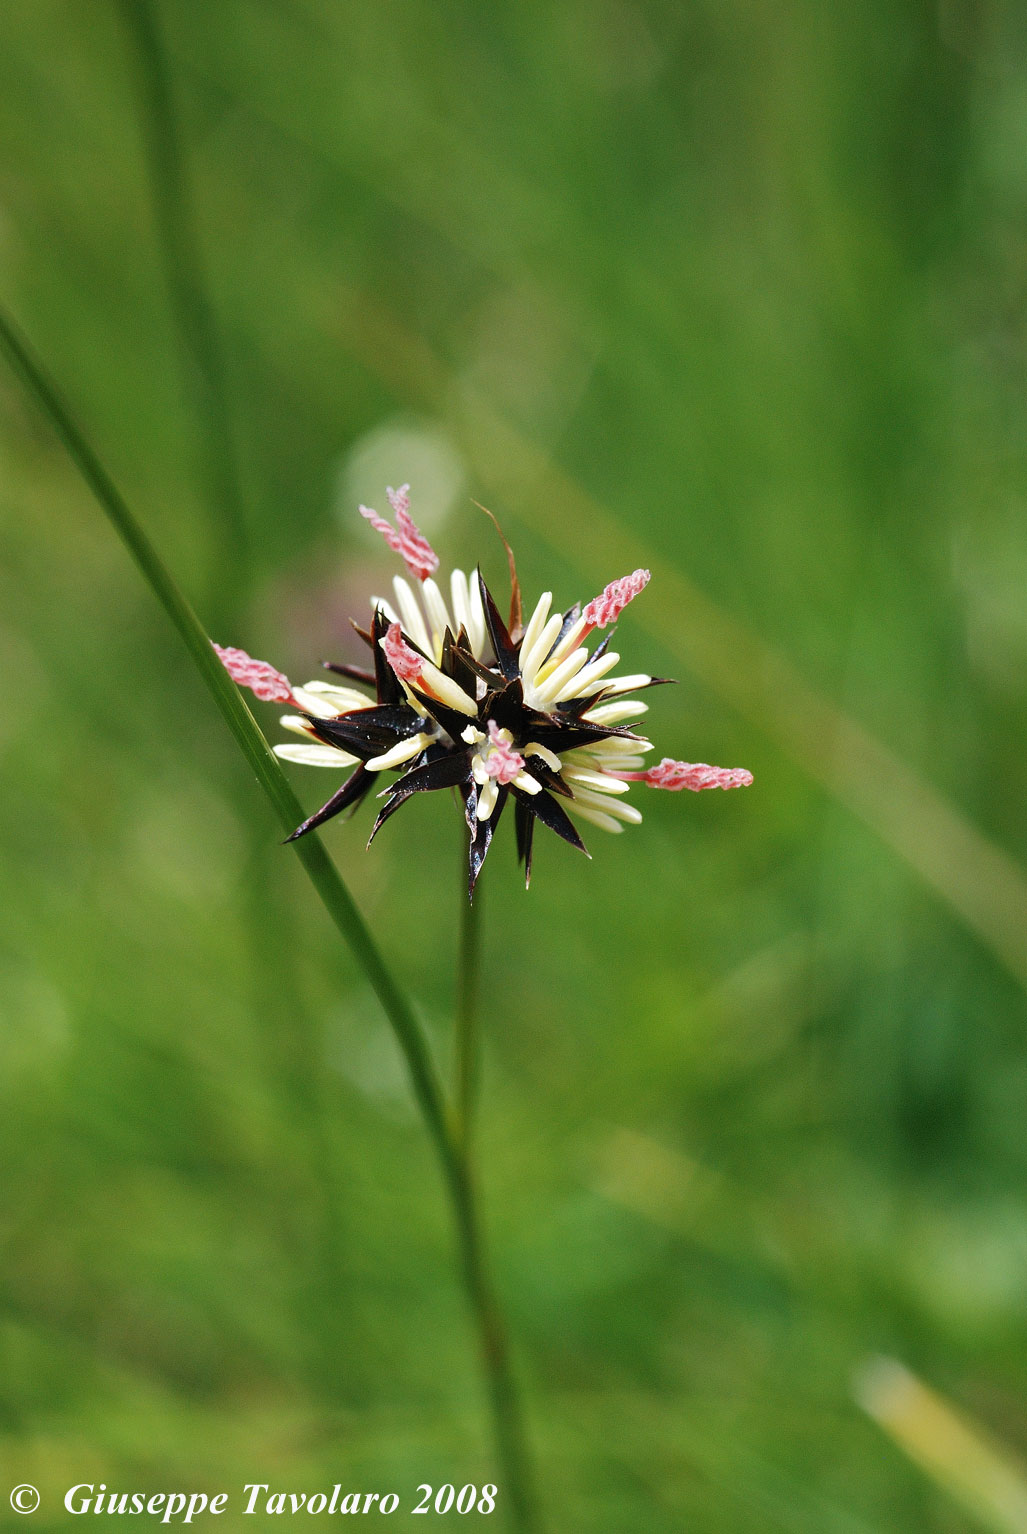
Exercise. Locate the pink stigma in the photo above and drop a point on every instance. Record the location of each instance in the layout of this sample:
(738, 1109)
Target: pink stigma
(406, 537)
(267, 684)
(502, 762)
(405, 662)
(607, 607)
(693, 775)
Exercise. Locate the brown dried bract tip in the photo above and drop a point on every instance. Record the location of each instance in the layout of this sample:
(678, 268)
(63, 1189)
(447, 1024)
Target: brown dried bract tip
(516, 624)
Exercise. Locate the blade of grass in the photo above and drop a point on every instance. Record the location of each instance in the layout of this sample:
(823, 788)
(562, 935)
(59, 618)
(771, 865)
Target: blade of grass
(320, 869)
(204, 363)
(424, 1079)
(982, 1477)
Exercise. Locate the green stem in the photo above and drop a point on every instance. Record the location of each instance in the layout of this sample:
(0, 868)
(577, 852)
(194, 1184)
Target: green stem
(205, 369)
(340, 906)
(511, 1447)
(504, 1399)
(467, 1025)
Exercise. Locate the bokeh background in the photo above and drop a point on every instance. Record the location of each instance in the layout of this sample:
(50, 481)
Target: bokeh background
(732, 290)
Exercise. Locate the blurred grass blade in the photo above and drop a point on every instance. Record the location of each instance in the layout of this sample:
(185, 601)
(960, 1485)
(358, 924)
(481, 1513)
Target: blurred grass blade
(979, 881)
(337, 900)
(319, 867)
(954, 1452)
(204, 361)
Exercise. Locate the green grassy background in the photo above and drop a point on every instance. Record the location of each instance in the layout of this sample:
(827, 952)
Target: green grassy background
(730, 289)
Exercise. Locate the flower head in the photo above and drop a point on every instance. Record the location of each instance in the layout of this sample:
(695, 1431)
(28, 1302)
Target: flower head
(462, 701)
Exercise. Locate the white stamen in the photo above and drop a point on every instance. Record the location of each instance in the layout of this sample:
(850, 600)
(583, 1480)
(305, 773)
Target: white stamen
(596, 817)
(608, 806)
(315, 704)
(438, 617)
(531, 660)
(412, 619)
(618, 684)
(589, 677)
(487, 799)
(537, 622)
(476, 628)
(344, 698)
(617, 712)
(298, 725)
(564, 648)
(600, 781)
(315, 756)
(471, 736)
(386, 607)
(561, 682)
(549, 757)
(399, 753)
(529, 784)
(438, 685)
(461, 604)
(619, 745)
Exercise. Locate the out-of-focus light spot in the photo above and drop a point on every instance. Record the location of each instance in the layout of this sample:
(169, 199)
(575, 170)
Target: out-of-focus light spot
(400, 451)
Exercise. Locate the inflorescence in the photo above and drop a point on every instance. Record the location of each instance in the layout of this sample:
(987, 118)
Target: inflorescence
(495, 710)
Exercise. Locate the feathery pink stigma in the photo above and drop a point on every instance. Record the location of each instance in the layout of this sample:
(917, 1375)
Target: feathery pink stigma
(267, 684)
(405, 662)
(399, 499)
(609, 605)
(502, 762)
(694, 775)
(406, 537)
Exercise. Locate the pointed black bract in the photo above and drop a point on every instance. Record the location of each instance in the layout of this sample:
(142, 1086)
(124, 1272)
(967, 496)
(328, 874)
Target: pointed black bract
(469, 794)
(525, 825)
(367, 732)
(388, 809)
(551, 813)
(558, 736)
(507, 708)
(390, 689)
(447, 771)
(483, 673)
(352, 791)
(452, 721)
(456, 662)
(575, 707)
(506, 652)
(544, 774)
(403, 790)
(354, 673)
(481, 840)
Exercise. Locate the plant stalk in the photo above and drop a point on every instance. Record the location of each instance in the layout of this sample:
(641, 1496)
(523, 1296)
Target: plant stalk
(511, 1447)
(202, 355)
(504, 1398)
(339, 904)
(467, 1025)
